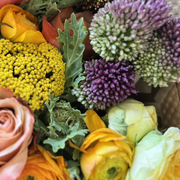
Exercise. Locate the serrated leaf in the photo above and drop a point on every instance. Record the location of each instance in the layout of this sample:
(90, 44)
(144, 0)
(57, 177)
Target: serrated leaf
(81, 132)
(73, 48)
(65, 123)
(56, 143)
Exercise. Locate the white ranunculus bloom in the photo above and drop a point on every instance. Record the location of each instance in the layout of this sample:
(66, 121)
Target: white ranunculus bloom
(157, 157)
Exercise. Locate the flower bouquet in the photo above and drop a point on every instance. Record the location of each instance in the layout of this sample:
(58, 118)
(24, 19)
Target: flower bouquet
(69, 107)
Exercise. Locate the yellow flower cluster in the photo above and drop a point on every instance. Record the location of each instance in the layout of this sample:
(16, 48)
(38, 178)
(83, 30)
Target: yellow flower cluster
(31, 71)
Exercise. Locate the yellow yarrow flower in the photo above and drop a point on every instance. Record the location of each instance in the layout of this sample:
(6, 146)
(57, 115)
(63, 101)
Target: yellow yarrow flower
(31, 71)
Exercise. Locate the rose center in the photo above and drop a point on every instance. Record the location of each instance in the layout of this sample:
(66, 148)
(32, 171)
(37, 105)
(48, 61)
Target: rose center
(2, 121)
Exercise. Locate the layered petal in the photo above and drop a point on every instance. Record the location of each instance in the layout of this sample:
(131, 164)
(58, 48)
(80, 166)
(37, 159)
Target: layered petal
(141, 119)
(16, 125)
(22, 25)
(41, 165)
(93, 121)
(107, 155)
(31, 36)
(156, 155)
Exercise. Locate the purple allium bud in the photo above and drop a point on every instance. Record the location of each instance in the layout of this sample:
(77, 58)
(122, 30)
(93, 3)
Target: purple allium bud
(121, 29)
(160, 63)
(170, 34)
(106, 83)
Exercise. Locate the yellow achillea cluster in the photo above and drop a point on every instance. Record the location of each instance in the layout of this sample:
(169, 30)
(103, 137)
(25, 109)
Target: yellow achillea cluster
(31, 71)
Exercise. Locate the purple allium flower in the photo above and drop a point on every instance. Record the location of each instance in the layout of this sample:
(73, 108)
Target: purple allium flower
(160, 64)
(170, 35)
(121, 29)
(106, 83)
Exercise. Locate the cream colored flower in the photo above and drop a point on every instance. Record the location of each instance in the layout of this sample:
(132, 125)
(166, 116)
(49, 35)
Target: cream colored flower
(157, 157)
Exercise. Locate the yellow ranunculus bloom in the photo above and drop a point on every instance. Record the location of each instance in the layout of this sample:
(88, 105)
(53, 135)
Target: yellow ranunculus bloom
(142, 119)
(107, 154)
(41, 165)
(157, 157)
(23, 24)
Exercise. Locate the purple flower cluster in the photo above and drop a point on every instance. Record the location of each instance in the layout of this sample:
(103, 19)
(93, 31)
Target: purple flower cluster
(106, 83)
(170, 35)
(121, 29)
(160, 63)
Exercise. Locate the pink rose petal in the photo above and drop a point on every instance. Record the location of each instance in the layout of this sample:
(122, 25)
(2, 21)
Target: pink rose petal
(32, 146)
(5, 93)
(16, 126)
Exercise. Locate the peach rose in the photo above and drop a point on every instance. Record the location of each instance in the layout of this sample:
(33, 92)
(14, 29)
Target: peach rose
(50, 29)
(16, 126)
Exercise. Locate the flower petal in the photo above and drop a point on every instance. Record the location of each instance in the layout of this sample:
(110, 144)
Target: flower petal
(31, 36)
(16, 164)
(5, 93)
(50, 33)
(93, 121)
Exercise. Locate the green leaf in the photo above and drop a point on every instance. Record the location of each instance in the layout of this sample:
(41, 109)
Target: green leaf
(69, 97)
(56, 143)
(73, 48)
(39, 126)
(71, 164)
(74, 173)
(65, 123)
(81, 132)
(73, 168)
(78, 80)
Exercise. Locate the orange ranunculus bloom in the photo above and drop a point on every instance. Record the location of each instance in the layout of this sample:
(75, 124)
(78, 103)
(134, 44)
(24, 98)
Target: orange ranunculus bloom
(106, 153)
(41, 165)
(23, 24)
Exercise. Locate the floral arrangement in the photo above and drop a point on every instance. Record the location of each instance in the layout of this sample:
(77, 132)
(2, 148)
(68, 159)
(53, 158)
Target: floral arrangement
(67, 76)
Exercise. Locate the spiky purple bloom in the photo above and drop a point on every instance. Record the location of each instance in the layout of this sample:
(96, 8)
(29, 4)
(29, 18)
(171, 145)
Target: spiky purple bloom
(170, 34)
(160, 63)
(122, 28)
(106, 83)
